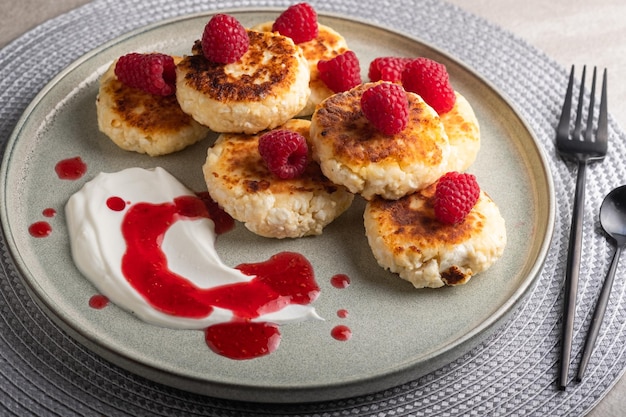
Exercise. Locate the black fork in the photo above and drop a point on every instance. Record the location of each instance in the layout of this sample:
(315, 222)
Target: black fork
(581, 148)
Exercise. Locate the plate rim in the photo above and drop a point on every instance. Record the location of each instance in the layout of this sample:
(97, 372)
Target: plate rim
(276, 394)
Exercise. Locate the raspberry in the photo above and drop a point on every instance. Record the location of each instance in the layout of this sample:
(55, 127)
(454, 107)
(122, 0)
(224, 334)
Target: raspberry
(455, 196)
(429, 79)
(387, 68)
(153, 73)
(386, 107)
(224, 39)
(285, 152)
(299, 22)
(340, 73)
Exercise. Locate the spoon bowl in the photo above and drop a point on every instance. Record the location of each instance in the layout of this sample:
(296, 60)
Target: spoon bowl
(613, 215)
(613, 222)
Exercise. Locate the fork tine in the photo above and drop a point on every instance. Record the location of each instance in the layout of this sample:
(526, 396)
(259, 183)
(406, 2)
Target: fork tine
(563, 126)
(602, 134)
(579, 110)
(592, 102)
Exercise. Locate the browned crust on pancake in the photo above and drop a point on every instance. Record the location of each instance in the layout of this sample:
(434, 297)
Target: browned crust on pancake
(468, 127)
(326, 46)
(454, 276)
(342, 125)
(150, 113)
(249, 169)
(259, 80)
(412, 219)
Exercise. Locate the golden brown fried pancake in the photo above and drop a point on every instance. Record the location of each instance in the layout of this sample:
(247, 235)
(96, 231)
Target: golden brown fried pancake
(352, 152)
(239, 181)
(407, 239)
(142, 122)
(266, 87)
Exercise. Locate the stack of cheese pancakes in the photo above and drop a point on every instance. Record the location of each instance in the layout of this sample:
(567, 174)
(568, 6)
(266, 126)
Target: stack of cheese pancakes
(275, 85)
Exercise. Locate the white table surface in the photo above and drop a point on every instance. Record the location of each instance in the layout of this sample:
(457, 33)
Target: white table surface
(568, 31)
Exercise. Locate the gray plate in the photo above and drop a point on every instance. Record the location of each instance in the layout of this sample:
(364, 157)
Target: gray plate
(399, 333)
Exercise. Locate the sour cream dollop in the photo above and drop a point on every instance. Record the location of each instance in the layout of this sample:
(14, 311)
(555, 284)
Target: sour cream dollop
(99, 212)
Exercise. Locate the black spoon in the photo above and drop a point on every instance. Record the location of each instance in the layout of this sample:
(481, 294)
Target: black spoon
(613, 221)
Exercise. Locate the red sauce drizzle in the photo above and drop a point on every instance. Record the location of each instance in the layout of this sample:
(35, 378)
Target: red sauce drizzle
(343, 313)
(116, 203)
(222, 220)
(98, 301)
(340, 281)
(49, 212)
(71, 168)
(40, 229)
(341, 333)
(286, 278)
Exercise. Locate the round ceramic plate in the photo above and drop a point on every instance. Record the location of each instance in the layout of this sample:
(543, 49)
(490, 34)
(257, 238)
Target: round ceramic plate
(398, 333)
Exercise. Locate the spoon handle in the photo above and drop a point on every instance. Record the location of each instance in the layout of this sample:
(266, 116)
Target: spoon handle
(598, 314)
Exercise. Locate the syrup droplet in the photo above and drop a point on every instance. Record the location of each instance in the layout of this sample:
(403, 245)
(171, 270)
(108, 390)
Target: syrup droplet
(243, 340)
(341, 333)
(49, 212)
(40, 229)
(116, 203)
(71, 168)
(98, 301)
(340, 281)
(343, 313)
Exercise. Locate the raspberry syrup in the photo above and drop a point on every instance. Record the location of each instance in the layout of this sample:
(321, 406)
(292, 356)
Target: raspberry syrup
(340, 281)
(71, 168)
(243, 340)
(341, 333)
(49, 212)
(98, 301)
(40, 229)
(66, 169)
(116, 203)
(222, 220)
(286, 278)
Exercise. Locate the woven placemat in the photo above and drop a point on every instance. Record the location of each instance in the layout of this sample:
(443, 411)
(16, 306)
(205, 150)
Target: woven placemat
(45, 372)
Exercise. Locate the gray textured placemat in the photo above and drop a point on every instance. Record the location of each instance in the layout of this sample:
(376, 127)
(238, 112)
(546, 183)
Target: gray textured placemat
(45, 372)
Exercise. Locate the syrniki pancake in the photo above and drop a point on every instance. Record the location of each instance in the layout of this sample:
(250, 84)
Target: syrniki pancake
(353, 153)
(239, 181)
(463, 130)
(266, 87)
(142, 122)
(406, 238)
(328, 44)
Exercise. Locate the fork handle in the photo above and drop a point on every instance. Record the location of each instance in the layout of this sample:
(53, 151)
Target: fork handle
(571, 273)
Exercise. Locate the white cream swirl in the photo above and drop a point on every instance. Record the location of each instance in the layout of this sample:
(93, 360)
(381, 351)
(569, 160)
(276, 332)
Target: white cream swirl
(97, 247)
